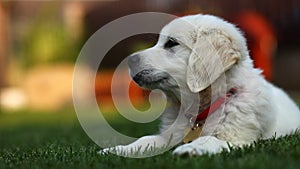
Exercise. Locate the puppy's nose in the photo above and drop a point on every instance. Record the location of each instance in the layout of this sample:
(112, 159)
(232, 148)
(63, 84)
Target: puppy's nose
(133, 60)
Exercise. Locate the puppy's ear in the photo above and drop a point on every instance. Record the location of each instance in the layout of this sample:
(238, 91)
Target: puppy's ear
(213, 54)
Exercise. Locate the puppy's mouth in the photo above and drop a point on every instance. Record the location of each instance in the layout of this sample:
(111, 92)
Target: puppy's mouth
(151, 79)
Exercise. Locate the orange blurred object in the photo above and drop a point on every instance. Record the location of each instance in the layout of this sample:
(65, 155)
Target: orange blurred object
(262, 41)
(103, 93)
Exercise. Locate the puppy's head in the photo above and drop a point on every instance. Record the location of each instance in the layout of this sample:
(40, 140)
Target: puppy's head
(192, 52)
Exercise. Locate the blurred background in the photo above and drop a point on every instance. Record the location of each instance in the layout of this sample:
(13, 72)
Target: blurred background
(40, 41)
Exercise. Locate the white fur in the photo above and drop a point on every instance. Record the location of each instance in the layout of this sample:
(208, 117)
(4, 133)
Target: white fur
(258, 111)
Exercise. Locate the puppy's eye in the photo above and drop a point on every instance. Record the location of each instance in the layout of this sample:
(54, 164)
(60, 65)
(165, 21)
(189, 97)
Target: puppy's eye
(171, 43)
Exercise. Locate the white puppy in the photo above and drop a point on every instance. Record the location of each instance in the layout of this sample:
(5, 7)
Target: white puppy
(203, 55)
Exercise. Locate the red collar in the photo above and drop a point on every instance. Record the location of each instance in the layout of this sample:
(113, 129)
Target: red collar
(213, 107)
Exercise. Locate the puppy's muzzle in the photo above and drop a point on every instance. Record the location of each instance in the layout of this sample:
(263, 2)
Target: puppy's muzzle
(148, 77)
(133, 63)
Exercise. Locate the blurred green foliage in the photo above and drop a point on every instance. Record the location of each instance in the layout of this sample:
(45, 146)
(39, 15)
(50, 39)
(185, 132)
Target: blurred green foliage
(46, 40)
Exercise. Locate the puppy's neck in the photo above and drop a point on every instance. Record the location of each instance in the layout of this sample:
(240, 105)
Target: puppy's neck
(202, 100)
(205, 98)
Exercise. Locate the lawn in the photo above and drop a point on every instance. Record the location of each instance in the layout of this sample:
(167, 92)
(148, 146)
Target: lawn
(56, 140)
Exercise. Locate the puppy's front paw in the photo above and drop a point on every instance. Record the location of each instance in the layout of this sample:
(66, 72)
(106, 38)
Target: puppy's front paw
(104, 151)
(189, 150)
(118, 150)
(202, 145)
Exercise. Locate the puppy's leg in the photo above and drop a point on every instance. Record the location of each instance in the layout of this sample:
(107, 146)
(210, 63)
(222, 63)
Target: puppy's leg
(153, 143)
(140, 146)
(202, 145)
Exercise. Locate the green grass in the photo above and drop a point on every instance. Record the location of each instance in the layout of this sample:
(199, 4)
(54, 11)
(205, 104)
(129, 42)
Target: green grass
(56, 140)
